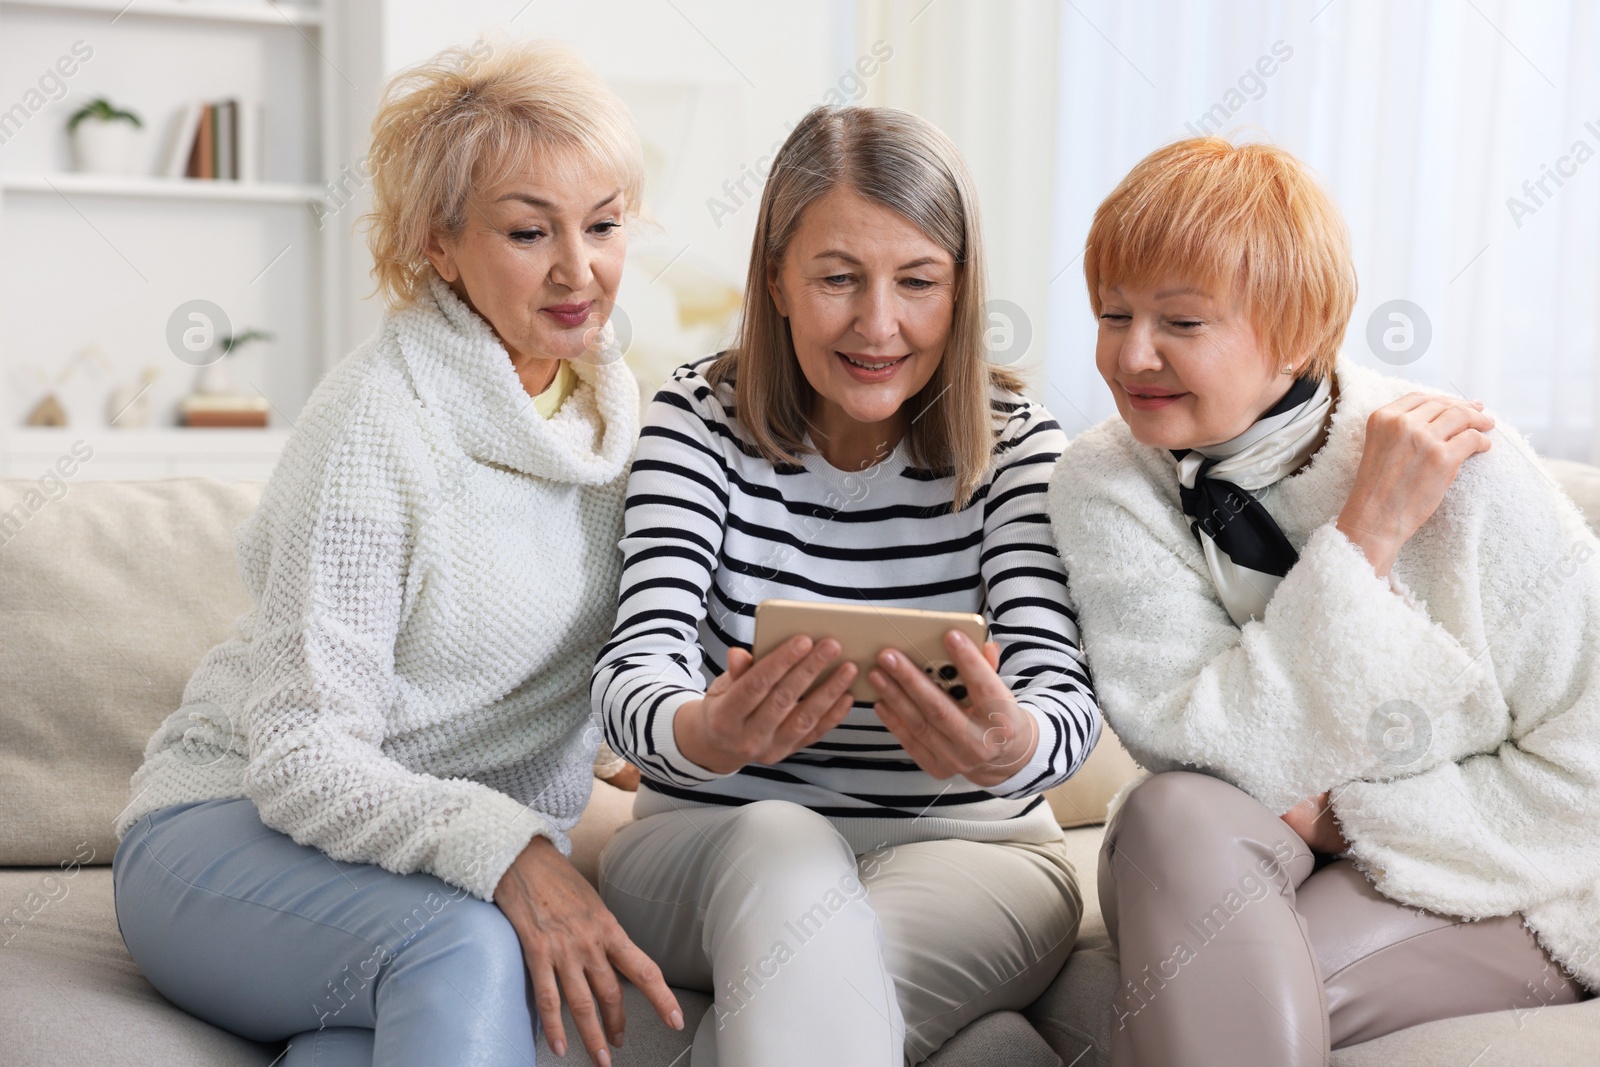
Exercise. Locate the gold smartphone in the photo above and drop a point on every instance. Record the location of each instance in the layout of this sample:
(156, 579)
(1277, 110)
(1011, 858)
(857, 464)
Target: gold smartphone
(863, 631)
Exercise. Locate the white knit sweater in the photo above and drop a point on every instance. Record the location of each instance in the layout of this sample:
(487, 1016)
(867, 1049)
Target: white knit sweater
(1480, 796)
(434, 567)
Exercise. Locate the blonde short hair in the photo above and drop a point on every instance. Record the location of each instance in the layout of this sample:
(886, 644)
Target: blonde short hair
(468, 119)
(1250, 218)
(906, 164)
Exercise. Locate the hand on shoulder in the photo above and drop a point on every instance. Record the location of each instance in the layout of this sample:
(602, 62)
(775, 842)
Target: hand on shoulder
(1414, 449)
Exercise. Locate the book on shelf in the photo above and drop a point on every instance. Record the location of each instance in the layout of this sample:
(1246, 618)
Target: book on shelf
(217, 139)
(183, 140)
(209, 412)
(226, 164)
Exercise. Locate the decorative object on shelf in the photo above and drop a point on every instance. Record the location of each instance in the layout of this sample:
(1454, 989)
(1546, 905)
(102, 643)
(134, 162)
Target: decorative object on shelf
(233, 412)
(50, 411)
(128, 407)
(215, 400)
(218, 139)
(105, 139)
(47, 412)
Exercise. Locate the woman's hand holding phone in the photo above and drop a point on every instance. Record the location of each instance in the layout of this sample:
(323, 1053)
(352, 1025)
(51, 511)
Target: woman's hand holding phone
(986, 741)
(758, 711)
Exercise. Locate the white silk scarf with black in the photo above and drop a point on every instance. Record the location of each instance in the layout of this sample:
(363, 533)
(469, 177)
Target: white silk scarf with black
(1246, 553)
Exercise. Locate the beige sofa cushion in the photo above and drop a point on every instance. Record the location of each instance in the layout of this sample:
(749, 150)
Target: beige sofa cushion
(109, 596)
(1081, 800)
(1582, 483)
(71, 994)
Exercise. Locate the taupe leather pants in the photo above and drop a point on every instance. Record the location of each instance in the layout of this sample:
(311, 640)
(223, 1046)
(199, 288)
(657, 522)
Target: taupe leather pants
(1236, 947)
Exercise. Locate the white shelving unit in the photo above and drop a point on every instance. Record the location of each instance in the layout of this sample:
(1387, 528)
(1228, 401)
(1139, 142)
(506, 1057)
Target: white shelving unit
(104, 261)
(213, 10)
(175, 188)
(162, 453)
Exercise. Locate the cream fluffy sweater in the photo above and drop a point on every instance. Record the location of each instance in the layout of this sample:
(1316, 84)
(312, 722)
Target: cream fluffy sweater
(1454, 711)
(434, 567)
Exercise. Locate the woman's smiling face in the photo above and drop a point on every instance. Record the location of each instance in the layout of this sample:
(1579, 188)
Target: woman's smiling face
(1184, 363)
(540, 260)
(870, 299)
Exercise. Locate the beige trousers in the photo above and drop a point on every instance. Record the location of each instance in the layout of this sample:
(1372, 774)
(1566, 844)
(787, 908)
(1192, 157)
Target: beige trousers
(1236, 948)
(818, 956)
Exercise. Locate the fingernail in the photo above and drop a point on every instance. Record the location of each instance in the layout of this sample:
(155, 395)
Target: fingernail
(602, 1057)
(677, 1020)
(559, 1047)
(889, 658)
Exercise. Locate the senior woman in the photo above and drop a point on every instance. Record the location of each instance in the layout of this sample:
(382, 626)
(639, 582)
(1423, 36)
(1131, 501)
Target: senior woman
(853, 883)
(1373, 634)
(352, 834)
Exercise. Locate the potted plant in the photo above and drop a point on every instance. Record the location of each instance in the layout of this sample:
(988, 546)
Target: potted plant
(105, 139)
(216, 402)
(214, 378)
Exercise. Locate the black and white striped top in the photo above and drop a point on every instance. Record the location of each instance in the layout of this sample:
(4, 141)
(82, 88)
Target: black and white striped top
(713, 529)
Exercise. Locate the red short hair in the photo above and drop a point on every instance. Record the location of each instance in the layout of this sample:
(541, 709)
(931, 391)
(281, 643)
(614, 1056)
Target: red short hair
(1248, 218)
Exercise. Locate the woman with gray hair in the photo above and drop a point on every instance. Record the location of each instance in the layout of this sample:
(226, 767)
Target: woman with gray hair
(353, 833)
(854, 881)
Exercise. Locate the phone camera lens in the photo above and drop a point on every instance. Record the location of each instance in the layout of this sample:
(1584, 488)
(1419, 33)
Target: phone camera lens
(948, 672)
(958, 692)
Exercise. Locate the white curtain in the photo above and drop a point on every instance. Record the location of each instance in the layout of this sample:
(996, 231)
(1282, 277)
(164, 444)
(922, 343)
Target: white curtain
(1461, 138)
(984, 72)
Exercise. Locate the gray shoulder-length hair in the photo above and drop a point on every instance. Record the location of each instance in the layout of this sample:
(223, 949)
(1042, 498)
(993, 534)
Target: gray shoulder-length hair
(906, 164)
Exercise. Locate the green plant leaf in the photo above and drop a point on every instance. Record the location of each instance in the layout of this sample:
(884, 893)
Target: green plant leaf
(229, 343)
(100, 109)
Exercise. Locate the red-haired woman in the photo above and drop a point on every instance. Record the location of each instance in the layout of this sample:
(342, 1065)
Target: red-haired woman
(1374, 634)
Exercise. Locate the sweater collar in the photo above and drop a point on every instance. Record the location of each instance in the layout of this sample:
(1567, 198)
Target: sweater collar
(464, 376)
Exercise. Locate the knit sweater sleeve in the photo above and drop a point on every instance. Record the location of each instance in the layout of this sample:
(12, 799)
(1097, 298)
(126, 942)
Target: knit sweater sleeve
(1026, 586)
(1280, 707)
(676, 511)
(1514, 824)
(333, 547)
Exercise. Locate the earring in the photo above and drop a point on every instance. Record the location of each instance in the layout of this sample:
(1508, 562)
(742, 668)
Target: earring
(1288, 368)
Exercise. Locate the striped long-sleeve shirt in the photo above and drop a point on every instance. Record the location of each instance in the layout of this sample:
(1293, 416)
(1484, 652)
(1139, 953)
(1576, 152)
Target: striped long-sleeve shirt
(713, 529)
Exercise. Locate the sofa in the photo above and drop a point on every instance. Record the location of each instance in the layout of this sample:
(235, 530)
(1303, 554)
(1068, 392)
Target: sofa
(110, 592)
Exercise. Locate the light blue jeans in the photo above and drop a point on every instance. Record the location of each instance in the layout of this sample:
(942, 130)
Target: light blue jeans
(353, 965)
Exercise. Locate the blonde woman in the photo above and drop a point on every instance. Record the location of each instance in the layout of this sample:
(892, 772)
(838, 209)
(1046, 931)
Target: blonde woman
(352, 834)
(1362, 612)
(853, 882)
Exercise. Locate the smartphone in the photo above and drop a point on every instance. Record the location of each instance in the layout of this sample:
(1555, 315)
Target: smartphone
(863, 631)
